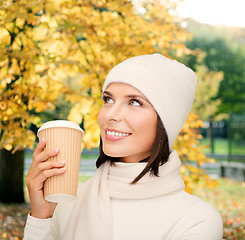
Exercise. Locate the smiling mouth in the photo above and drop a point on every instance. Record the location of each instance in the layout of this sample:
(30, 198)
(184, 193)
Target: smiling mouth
(117, 134)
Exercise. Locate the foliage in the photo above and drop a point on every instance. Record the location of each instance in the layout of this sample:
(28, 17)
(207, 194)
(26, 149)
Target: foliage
(205, 106)
(207, 88)
(44, 44)
(225, 54)
(206, 103)
(27, 85)
(190, 152)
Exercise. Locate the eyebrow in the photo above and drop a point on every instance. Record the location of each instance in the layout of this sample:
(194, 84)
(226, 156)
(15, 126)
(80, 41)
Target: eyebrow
(108, 93)
(129, 96)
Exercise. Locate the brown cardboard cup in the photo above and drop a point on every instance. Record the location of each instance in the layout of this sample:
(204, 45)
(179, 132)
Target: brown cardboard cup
(67, 136)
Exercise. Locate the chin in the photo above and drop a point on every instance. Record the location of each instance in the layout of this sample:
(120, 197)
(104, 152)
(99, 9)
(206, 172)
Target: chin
(111, 152)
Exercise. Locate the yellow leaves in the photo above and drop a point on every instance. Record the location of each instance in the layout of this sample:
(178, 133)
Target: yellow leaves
(4, 235)
(87, 110)
(17, 138)
(39, 106)
(15, 104)
(9, 111)
(86, 105)
(189, 149)
(41, 32)
(92, 133)
(75, 114)
(14, 69)
(207, 87)
(55, 46)
(109, 16)
(101, 33)
(44, 19)
(194, 176)
(8, 147)
(4, 36)
(20, 22)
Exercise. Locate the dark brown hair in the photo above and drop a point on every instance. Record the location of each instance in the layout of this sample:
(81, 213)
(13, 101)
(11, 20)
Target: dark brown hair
(159, 156)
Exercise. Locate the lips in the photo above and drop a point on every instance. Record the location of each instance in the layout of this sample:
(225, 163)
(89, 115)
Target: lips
(114, 135)
(117, 134)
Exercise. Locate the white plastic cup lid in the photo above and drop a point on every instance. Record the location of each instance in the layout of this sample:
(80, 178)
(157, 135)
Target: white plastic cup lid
(60, 123)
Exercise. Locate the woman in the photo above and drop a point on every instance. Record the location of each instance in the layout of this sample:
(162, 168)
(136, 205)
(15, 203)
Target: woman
(137, 191)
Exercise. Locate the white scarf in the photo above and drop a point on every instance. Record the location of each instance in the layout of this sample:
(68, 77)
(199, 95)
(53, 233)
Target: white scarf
(91, 217)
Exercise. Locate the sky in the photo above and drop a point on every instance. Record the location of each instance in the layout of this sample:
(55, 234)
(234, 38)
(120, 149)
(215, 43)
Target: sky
(215, 12)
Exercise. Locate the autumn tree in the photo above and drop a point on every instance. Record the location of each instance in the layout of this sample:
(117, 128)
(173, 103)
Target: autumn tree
(67, 47)
(27, 88)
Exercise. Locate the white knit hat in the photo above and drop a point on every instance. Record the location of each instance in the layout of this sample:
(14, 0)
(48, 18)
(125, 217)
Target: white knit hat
(169, 86)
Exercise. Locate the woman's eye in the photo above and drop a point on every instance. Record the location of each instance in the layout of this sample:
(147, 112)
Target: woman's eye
(135, 102)
(107, 99)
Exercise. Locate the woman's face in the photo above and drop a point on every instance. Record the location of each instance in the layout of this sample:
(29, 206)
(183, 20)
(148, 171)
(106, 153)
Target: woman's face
(128, 123)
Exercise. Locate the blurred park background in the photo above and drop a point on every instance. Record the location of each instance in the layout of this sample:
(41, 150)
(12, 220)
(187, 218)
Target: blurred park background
(55, 55)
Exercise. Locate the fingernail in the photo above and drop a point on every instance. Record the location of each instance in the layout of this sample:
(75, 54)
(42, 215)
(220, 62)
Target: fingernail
(62, 169)
(56, 150)
(42, 140)
(61, 162)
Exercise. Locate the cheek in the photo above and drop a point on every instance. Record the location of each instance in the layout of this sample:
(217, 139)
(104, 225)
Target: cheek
(146, 129)
(149, 135)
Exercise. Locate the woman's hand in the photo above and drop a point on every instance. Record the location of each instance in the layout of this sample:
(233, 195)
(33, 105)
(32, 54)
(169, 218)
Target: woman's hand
(40, 170)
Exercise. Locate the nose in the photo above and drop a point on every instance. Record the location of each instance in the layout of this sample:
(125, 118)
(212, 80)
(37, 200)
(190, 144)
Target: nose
(115, 113)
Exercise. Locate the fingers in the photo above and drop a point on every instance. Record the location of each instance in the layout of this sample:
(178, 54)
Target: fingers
(44, 166)
(36, 177)
(46, 154)
(49, 165)
(37, 183)
(40, 163)
(40, 147)
(41, 155)
(50, 173)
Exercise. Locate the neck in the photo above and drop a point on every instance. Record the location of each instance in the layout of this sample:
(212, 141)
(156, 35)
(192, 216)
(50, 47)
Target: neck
(135, 158)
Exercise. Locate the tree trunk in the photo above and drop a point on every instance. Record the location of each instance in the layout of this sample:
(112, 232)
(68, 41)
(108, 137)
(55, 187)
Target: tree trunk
(11, 176)
(210, 136)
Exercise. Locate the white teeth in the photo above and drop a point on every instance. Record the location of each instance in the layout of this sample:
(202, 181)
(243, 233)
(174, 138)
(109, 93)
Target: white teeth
(117, 134)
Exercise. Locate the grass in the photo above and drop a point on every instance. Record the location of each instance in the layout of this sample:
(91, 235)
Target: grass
(83, 178)
(221, 146)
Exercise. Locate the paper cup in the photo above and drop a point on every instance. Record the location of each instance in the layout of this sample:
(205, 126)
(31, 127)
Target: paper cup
(67, 136)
